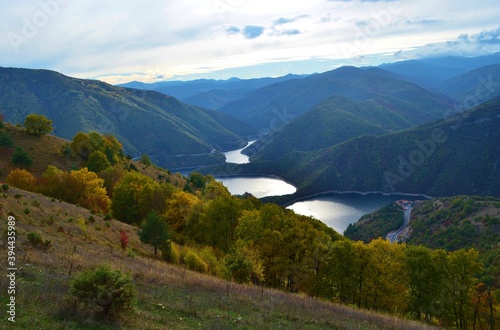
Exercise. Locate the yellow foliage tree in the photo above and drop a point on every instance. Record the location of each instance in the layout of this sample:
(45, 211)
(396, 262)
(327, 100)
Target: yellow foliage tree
(91, 191)
(21, 179)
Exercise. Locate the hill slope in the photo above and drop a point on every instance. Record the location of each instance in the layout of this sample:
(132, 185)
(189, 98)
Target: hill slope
(456, 155)
(169, 297)
(276, 105)
(174, 134)
(475, 86)
(332, 121)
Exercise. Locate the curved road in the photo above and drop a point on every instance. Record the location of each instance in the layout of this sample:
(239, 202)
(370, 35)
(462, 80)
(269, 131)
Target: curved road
(393, 237)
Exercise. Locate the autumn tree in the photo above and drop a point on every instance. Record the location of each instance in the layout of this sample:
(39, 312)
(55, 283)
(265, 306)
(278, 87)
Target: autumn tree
(244, 264)
(90, 190)
(154, 230)
(135, 195)
(179, 210)
(38, 125)
(84, 145)
(21, 179)
(77, 187)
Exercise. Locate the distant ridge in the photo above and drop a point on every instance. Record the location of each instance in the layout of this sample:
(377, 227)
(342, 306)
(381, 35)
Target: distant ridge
(173, 133)
(276, 105)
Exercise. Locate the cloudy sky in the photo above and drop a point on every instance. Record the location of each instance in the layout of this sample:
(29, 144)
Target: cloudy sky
(122, 40)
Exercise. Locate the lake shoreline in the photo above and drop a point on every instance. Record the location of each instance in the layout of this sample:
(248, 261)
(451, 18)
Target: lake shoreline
(357, 192)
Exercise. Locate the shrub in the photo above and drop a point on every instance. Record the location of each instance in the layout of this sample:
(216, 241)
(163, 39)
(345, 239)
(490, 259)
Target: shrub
(5, 187)
(123, 240)
(194, 262)
(36, 241)
(103, 290)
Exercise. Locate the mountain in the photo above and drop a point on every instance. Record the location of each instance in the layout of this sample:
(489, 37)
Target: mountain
(434, 71)
(332, 121)
(276, 105)
(209, 93)
(173, 133)
(425, 74)
(454, 155)
(335, 120)
(475, 86)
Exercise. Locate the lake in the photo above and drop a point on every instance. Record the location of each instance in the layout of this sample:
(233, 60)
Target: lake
(235, 156)
(337, 210)
(259, 186)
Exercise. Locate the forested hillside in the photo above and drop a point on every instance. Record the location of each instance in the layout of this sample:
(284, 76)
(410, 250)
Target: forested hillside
(455, 155)
(277, 104)
(332, 121)
(174, 134)
(449, 223)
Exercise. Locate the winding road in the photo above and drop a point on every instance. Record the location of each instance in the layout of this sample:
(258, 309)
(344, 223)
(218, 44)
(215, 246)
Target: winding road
(393, 236)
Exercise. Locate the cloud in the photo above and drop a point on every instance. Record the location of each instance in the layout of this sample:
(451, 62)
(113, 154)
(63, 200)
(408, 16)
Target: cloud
(286, 20)
(252, 31)
(482, 43)
(491, 37)
(290, 32)
(233, 30)
(422, 21)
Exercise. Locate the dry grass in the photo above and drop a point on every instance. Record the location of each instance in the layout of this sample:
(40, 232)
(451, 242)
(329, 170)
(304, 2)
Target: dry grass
(169, 297)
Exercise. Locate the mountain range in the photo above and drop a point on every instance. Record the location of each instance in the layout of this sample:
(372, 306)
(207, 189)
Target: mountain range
(209, 93)
(172, 133)
(458, 154)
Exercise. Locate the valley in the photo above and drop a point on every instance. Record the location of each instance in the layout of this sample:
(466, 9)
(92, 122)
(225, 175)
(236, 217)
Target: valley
(287, 184)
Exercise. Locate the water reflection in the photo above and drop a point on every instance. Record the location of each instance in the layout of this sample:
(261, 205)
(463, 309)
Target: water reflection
(340, 210)
(258, 186)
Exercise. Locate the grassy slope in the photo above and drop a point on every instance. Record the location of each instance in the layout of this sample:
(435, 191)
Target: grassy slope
(169, 297)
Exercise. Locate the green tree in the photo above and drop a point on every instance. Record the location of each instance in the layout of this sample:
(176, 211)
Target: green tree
(154, 231)
(135, 195)
(21, 158)
(337, 280)
(425, 279)
(108, 290)
(146, 160)
(5, 140)
(219, 221)
(459, 286)
(97, 161)
(38, 124)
